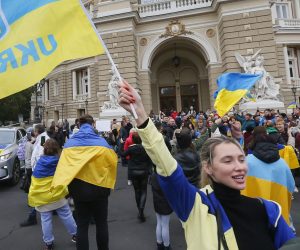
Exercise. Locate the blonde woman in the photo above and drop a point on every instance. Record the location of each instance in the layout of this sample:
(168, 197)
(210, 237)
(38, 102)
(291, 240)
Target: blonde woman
(217, 216)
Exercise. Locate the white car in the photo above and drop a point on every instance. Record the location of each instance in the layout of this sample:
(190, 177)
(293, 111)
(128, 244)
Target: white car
(9, 163)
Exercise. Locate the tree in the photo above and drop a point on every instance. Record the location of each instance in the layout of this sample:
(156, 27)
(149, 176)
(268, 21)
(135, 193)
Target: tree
(12, 106)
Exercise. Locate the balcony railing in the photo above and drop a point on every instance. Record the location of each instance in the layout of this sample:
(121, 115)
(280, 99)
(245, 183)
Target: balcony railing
(170, 6)
(296, 82)
(289, 23)
(81, 97)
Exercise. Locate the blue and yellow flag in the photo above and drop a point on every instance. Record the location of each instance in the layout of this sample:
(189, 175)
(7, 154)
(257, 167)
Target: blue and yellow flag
(38, 35)
(88, 157)
(271, 182)
(292, 105)
(231, 88)
(42, 176)
(288, 154)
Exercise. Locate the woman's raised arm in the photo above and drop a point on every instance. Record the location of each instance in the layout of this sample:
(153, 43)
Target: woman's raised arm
(180, 194)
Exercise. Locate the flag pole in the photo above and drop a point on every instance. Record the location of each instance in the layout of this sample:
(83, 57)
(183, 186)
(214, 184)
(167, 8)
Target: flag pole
(108, 54)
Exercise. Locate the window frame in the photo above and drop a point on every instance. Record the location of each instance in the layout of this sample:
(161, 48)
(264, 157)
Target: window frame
(82, 87)
(55, 88)
(288, 8)
(293, 63)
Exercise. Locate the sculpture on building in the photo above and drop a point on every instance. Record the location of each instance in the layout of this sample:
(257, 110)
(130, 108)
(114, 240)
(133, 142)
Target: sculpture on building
(265, 88)
(112, 92)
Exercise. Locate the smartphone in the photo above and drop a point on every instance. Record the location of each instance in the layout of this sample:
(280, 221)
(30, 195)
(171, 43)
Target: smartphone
(43, 139)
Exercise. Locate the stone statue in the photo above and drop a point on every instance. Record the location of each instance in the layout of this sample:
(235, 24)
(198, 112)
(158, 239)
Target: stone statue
(265, 88)
(246, 62)
(112, 92)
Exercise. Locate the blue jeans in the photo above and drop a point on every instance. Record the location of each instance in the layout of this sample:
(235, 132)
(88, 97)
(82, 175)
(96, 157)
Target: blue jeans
(65, 215)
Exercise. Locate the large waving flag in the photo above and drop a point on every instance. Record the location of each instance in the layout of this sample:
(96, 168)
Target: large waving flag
(42, 176)
(231, 88)
(270, 181)
(37, 35)
(88, 157)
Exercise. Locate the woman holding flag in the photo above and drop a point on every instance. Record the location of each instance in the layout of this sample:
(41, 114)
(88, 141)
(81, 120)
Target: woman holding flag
(217, 216)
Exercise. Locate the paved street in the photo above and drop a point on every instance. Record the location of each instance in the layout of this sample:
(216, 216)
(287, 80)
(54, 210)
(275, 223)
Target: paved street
(126, 232)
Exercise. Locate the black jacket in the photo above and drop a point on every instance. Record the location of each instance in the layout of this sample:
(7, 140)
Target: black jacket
(139, 163)
(160, 203)
(83, 191)
(170, 131)
(189, 160)
(266, 152)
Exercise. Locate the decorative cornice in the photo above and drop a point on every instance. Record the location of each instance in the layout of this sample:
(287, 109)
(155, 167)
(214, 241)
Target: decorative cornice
(175, 28)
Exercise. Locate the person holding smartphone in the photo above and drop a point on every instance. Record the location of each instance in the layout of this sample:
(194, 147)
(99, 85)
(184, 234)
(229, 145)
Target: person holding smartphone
(38, 146)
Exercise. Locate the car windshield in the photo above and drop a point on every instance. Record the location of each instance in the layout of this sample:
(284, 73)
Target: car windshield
(7, 137)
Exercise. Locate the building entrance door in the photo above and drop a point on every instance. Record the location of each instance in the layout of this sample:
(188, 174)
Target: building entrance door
(167, 96)
(189, 97)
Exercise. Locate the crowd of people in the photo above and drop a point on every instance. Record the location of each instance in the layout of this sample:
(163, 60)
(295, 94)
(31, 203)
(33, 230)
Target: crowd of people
(179, 154)
(218, 216)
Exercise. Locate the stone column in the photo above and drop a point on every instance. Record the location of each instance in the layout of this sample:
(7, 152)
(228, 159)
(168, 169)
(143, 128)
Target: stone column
(155, 96)
(214, 71)
(200, 101)
(145, 87)
(178, 95)
(297, 8)
(286, 62)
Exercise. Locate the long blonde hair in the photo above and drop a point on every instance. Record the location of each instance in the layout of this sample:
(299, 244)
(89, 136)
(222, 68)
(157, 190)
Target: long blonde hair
(207, 155)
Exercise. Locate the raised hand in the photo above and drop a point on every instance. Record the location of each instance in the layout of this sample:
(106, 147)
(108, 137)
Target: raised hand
(128, 95)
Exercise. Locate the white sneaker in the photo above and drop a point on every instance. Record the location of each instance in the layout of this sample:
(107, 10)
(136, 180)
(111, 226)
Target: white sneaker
(129, 182)
(296, 190)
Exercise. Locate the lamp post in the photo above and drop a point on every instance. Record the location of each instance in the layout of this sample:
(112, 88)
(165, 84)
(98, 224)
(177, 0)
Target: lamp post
(86, 105)
(62, 112)
(294, 90)
(39, 86)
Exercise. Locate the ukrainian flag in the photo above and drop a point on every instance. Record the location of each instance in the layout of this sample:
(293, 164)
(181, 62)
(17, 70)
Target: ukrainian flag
(288, 154)
(88, 157)
(270, 182)
(38, 35)
(292, 105)
(42, 176)
(231, 88)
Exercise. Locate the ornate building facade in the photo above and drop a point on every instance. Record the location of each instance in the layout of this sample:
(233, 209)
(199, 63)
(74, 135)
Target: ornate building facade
(172, 51)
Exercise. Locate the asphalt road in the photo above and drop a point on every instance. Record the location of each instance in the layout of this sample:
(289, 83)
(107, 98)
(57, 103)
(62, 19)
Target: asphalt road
(126, 232)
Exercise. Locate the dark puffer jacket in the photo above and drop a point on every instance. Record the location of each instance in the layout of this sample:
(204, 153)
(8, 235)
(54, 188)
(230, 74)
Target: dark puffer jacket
(266, 152)
(139, 163)
(189, 160)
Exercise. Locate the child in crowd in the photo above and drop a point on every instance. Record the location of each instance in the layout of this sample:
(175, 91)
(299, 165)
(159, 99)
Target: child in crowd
(46, 201)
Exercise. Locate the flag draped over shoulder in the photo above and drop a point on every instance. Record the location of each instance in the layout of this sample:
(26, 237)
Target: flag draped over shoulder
(42, 176)
(231, 88)
(288, 154)
(88, 157)
(270, 181)
(37, 35)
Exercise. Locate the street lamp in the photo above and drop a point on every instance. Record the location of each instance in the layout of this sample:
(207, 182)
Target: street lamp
(294, 90)
(38, 90)
(86, 105)
(62, 112)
